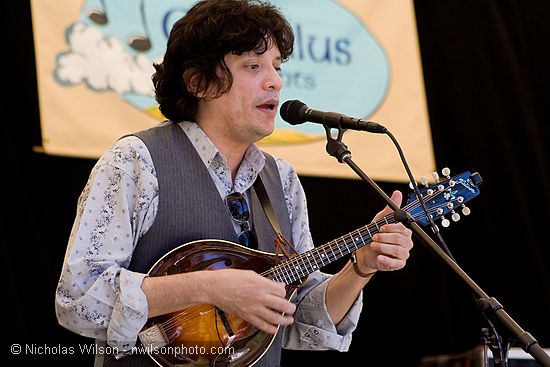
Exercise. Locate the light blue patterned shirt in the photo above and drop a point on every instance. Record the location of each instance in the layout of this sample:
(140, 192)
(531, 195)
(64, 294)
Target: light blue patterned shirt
(98, 297)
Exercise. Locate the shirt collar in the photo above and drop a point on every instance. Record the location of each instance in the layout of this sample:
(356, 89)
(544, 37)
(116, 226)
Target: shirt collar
(253, 161)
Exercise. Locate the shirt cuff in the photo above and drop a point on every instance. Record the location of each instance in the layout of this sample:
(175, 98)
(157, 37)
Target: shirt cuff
(314, 329)
(130, 312)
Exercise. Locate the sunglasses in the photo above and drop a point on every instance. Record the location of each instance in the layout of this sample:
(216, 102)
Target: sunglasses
(238, 208)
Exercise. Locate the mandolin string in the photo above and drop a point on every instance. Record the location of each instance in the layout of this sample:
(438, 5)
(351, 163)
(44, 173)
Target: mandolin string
(181, 319)
(292, 264)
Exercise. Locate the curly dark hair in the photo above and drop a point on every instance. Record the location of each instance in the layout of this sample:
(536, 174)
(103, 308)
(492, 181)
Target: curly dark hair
(199, 41)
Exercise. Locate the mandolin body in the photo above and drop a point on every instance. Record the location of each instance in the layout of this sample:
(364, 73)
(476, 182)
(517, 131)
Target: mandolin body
(204, 335)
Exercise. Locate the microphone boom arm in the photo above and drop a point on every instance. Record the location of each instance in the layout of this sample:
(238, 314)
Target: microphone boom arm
(489, 306)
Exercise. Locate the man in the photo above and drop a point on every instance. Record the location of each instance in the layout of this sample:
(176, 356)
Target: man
(219, 86)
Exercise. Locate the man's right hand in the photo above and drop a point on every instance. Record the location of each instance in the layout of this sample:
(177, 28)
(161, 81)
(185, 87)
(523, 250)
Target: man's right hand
(251, 297)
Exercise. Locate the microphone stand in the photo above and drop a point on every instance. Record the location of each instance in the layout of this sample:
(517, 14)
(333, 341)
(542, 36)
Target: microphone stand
(491, 309)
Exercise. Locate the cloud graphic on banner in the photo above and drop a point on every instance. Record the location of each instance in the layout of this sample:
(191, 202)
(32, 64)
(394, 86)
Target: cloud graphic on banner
(103, 64)
(337, 64)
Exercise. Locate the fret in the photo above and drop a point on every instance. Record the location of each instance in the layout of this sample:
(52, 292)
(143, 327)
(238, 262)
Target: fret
(289, 275)
(298, 267)
(306, 261)
(370, 234)
(289, 269)
(314, 266)
(322, 256)
(281, 275)
(353, 242)
(274, 275)
(362, 240)
(340, 247)
(315, 257)
(331, 250)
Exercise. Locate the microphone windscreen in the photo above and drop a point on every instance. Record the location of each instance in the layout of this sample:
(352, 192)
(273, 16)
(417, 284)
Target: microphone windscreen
(293, 112)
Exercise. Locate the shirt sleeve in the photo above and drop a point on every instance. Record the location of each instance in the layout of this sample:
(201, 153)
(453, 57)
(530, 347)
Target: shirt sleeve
(313, 328)
(96, 295)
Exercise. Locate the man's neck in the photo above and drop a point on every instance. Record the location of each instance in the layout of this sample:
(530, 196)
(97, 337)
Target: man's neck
(234, 153)
(232, 149)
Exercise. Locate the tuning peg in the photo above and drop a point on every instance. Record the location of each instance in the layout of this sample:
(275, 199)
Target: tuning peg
(424, 181)
(465, 210)
(411, 185)
(455, 216)
(435, 175)
(446, 172)
(445, 222)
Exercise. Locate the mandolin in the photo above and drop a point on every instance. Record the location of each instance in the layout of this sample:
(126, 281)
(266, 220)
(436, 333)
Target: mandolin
(204, 335)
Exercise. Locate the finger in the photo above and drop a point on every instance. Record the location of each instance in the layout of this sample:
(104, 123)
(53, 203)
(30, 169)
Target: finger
(393, 239)
(281, 305)
(270, 286)
(396, 198)
(276, 288)
(275, 318)
(262, 325)
(395, 228)
(393, 251)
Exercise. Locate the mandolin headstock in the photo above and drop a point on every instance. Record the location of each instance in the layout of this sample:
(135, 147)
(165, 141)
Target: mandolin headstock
(447, 196)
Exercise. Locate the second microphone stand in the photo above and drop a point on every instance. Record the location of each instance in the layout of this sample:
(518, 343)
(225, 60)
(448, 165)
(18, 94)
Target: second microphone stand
(491, 309)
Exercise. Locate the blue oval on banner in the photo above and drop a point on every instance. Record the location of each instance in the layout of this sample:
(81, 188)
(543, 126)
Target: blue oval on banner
(337, 64)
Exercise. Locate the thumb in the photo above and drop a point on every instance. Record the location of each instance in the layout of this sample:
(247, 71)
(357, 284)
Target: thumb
(396, 197)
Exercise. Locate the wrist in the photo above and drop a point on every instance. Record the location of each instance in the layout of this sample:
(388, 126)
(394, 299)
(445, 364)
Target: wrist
(358, 270)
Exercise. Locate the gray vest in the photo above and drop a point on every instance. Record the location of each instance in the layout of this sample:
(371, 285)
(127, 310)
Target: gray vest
(189, 203)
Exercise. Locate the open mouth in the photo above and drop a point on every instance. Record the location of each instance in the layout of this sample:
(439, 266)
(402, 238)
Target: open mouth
(268, 106)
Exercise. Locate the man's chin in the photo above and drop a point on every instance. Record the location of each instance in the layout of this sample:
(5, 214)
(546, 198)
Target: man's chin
(264, 131)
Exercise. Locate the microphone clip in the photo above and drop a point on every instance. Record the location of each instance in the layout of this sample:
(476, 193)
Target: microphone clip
(335, 147)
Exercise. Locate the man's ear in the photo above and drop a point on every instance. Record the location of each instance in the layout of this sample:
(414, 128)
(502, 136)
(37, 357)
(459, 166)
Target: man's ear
(192, 81)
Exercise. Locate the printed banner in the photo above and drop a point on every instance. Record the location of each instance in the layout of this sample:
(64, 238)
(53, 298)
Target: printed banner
(356, 57)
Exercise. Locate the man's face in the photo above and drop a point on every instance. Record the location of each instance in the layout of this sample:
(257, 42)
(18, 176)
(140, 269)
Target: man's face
(246, 113)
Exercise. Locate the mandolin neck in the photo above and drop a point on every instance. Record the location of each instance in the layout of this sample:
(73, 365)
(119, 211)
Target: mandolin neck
(299, 266)
(436, 201)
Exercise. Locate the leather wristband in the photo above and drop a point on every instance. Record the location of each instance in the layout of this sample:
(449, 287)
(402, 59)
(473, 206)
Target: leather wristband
(357, 270)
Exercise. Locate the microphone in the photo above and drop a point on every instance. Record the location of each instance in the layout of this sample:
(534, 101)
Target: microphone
(296, 112)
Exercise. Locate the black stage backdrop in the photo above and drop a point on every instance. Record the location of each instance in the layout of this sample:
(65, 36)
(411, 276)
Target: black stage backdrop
(486, 73)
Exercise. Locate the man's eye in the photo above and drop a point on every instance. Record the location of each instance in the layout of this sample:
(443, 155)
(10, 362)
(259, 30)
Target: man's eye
(253, 67)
